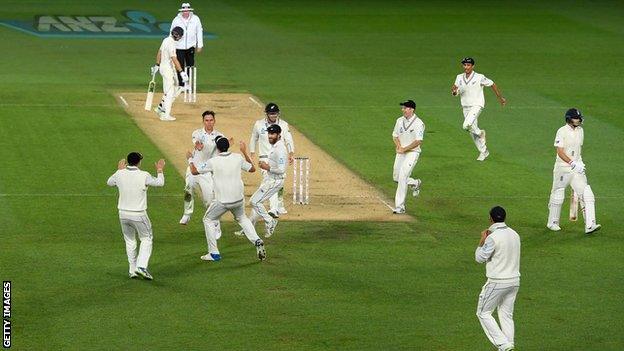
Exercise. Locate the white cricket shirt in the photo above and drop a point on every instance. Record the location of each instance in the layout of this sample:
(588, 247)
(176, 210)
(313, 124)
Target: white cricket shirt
(260, 136)
(571, 140)
(409, 130)
(210, 147)
(132, 184)
(501, 253)
(471, 88)
(193, 31)
(278, 159)
(226, 173)
(167, 51)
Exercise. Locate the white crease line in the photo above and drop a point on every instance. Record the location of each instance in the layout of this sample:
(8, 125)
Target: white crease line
(255, 101)
(123, 100)
(385, 203)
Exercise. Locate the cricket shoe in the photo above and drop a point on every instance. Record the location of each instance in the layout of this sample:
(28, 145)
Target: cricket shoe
(554, 227)
(133, 275)
(260, 250)
(483, 156)
(594, 228)
(282, 211)
(167, 118)
(239, 233)
(270, 227)
(144, 273)
(185, 219)
(399, 210)
(416, 188)
(159, 111)
(211, 257)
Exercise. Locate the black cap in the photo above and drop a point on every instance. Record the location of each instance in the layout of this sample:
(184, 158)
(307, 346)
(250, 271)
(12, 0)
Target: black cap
(573, 113)
(498, 214)
(274, 129)
(469, 60)
(134, 158)
(223, 144)
(271, 108)
(408, 103)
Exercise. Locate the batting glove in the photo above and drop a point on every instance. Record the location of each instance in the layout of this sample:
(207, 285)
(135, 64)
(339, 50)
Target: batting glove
(153, 69)
(578, 167)
(184, 77)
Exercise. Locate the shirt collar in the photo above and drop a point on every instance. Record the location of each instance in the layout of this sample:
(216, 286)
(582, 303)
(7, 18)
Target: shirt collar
(499, 225)
(227, 153)
(132, 168)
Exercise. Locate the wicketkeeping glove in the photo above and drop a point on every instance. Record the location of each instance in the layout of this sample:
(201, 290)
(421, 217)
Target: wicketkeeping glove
(153, 70)
(184, 77)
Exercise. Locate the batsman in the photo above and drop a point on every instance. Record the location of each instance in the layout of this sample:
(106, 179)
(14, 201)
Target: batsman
(167, 64)
(570, 170)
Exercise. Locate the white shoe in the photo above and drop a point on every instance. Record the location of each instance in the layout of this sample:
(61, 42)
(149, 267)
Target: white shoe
(270, 227)
(399, 210)
(483, 156)
(260, 251)
(416, 188)
(239, 233)
(282, 211)
(554, 227)
(274, 214)
(592, 229)
(185, 219)
(211, 257)
(133, 275)
(167, 118)
(143, 272)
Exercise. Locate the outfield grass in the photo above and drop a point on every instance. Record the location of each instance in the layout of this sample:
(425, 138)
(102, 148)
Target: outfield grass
(338, 70)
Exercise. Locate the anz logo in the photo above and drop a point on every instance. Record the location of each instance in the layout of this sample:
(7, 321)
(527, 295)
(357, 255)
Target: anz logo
(137, 24)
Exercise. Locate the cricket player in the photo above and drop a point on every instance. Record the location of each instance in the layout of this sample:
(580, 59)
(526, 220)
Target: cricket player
(259, 136)
(407, 135)
(229, 195)
(167, 64)
(204, 148)
(499, 249)
(193, 39)
(469, 86)
(275, 167)
(570, 170)
(132, 184)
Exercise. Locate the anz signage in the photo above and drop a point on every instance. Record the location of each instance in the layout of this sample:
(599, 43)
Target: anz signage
(136, 24)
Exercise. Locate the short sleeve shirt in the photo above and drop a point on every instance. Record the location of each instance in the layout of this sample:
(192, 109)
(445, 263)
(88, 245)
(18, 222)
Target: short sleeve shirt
(471, 88)
(409, 130)
(167, 51)
(571, 140)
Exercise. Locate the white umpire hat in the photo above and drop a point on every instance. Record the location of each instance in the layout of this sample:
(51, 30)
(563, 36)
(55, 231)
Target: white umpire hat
(185, 7)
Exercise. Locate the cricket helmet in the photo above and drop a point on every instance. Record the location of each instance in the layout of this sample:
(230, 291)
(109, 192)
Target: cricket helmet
(573, 113)
(177, 33)
(469, 60)
(271, 108)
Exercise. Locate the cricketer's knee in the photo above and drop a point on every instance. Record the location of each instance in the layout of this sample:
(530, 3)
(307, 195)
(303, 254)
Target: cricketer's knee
(556, 197)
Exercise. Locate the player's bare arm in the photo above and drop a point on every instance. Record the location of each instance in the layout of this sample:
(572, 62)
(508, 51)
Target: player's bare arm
(243, 150)
(411, 146)
(121, 164)
(176, 63)
(454, 90)
(562, 155)
(484, 235)
(397, 144)
(158, 58)
(499, 96)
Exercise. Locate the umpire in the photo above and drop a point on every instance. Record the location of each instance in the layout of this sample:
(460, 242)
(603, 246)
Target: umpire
(193, 39)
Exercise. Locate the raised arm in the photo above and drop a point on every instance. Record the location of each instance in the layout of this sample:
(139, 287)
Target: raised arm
(243, 149)
(160, 177)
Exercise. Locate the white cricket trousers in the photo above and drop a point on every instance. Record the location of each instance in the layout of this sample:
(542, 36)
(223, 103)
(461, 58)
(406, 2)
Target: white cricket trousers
(471, 117)
(499, 296)
(268, 188)
(562, 177)
(169, 89)
(215, 211)
(131, 227)
(401, 173)
(276, 202)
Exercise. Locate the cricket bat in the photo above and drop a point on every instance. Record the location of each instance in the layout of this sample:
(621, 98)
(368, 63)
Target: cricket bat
(574, 202)
(150, 93)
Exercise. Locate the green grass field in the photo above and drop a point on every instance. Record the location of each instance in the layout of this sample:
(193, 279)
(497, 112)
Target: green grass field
(338, 69)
